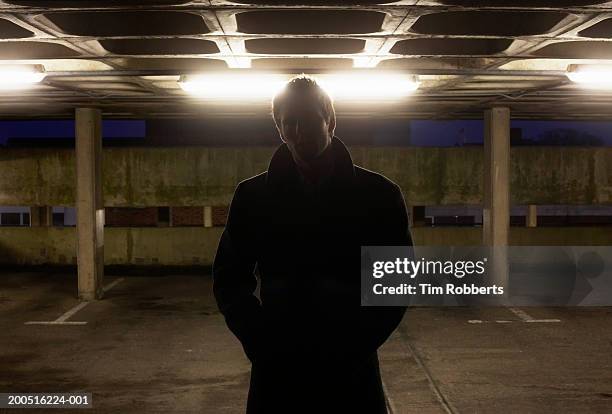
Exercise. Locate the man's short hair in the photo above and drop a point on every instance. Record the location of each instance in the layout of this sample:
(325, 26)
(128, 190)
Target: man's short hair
(302, 85)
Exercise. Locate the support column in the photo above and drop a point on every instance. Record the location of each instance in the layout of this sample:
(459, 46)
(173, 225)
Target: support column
(496, 208)
(89, 203)
(208, 216)
(41, 216)
(532, 215)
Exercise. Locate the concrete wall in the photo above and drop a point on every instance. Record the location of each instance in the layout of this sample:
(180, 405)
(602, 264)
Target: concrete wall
(519, 236)
(187, 246)
(180, 246)
(197, 176)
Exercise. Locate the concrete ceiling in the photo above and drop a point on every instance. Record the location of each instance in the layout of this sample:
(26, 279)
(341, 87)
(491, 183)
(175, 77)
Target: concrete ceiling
(126, 56)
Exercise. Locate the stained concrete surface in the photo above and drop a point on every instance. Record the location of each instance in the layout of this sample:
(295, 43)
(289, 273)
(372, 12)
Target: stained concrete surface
(158, 344)
(187, 247)
(204, 176)
(516, 367)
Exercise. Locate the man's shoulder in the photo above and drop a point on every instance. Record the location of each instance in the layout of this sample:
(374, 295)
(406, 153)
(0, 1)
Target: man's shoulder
(366, 179)
(373, 180)
(253, 184)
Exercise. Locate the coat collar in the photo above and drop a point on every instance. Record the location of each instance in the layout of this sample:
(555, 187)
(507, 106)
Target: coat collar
(282, 171)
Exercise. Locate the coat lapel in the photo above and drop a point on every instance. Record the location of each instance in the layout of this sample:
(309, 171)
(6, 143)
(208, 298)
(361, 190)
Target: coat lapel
(283, 175)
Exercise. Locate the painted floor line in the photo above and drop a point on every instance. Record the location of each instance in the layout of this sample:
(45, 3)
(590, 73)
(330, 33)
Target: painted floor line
(525, 317)
(55, 323)
(543, 320)
(112, 284)
(63, 319)
(476, 321)
(71, 312)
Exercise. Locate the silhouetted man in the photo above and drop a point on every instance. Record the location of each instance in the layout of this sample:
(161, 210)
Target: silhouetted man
(301, 223)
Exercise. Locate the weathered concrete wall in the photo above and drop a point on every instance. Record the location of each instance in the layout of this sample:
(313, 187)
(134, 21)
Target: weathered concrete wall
(185, 246)
(171, 246)
(136, 177)
(183, 176)
(429, 176)
(519, 236)
(561, 175)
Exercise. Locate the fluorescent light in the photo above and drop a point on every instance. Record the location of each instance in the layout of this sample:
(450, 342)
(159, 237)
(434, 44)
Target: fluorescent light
(19, 76)
(341, 86)
(375, 85)
(591, 75)
(233, 86)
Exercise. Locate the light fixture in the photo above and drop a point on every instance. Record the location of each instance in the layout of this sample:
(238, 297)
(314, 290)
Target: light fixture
(20, 76)
(247, 86)
(369, 86)
(591, 75)
(357, 85)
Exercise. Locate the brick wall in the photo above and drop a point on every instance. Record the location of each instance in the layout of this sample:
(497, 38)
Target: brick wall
(187, 216)
(148, 216)
(130, 216)
(219, 215)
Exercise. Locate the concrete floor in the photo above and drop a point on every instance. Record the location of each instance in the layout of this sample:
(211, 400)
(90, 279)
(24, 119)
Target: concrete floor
(158, 344)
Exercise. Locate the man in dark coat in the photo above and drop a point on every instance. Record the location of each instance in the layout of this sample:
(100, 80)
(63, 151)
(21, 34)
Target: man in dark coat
(300, 226)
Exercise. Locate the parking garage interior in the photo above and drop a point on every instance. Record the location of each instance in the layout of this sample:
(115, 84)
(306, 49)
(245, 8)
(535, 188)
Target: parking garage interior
(116, 180)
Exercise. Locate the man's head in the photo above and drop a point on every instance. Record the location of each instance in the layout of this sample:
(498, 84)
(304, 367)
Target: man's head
(305, 117)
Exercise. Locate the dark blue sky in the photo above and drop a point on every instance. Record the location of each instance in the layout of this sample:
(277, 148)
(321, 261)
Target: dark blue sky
(65, 129)
(446, 133)
(422, 133)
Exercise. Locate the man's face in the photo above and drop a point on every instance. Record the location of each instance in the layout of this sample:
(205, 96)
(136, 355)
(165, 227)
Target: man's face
(304, 127)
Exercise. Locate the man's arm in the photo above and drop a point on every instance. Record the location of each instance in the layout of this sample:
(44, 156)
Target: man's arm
(234, 282)
(377, 323)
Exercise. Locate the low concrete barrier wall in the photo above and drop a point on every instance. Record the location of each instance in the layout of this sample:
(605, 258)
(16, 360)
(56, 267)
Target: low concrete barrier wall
(196, 246)
(199, 176)
(168, 246)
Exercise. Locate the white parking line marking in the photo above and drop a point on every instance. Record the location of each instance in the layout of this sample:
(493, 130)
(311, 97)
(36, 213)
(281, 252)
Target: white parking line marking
(112, 284)
(521, 314)
(55, 323)
(63, 319)
(543, 320)
(477, 321)
(71, 312)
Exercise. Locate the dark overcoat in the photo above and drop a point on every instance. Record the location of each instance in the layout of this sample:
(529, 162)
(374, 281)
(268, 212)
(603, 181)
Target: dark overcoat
(312, 346)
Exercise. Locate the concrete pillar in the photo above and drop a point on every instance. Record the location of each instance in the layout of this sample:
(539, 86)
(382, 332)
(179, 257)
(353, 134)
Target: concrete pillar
(496, 208)
(47, 216)
(41, 216)
(89, 203)
(208, 216)
(532, 215)
(34, 216)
